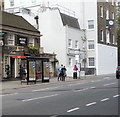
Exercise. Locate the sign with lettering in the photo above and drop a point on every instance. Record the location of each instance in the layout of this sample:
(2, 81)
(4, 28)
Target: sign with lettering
(22, 41)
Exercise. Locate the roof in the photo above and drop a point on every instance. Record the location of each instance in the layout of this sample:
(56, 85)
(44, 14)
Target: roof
(16, 21)
(70, 21)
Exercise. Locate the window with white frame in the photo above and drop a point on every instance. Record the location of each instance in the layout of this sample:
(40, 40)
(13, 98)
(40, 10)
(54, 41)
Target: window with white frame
(76, 44)
(11, 39)
(107, 14)
(91, 61)
(102, 36)
(90, 24)
(70, 43)
(11, 3)
(90, 44)
(107, 36)
(101, 11)
(31, 42)
(113, 15)
(70, 61)
(113, 2)
(113, 39)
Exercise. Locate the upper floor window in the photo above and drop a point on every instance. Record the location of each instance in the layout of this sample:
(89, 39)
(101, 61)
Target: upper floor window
(102, 35)
(70, 43)
(11, 3)
(113, 15)
(70, 61)
(76, 44)
(101, 11)
(90, 44)
(91, 61)
(113, 39)
(107, 14)
(31, 42)
(90, 24)
(10, 39)
(107, 36)
(113, 2)
(33, 1)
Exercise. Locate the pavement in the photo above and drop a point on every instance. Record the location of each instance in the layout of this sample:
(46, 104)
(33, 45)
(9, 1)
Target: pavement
(6, 85)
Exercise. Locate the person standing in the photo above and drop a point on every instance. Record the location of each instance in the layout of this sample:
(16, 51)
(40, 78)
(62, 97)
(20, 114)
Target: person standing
(59, 72)
(75, 72)
(63, 73)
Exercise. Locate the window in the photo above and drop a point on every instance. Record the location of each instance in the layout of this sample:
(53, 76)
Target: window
(113, 2)
(90, 24)
(10, 39)
(11, 3)
(102, 35)
(91, 61)
(70, 62)
(33, 1)
(107, 36)
(69, 43)
(101, 11)
(76, 44)
(107, 14)
(113, 39)
(113, 16)
(31, 42)
(90, 44)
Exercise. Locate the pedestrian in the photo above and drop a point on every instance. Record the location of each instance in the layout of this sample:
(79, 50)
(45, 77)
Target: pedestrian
(75, 72)
(59, 72)
(63, 73)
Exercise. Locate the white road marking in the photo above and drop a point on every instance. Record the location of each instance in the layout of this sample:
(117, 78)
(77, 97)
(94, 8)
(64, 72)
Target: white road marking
(115, 96)
(104, 99)
(71, 110)
(92, 81)
(81, 90)
(39, 98)
(45, 89)
(106, 77)
(92, 87)
(91, 104)
(9, 94)
(110, 84)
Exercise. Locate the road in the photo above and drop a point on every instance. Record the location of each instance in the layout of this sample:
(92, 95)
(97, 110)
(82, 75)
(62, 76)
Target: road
(98, 96)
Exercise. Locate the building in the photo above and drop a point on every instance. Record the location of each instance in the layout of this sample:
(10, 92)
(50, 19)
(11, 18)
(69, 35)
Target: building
(98, 19)
(18, 37)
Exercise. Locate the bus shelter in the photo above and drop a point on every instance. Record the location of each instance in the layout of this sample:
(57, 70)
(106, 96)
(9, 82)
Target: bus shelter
(34, 69)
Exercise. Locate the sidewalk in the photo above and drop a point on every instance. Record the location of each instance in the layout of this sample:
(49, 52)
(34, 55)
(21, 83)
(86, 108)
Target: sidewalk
(6, 85)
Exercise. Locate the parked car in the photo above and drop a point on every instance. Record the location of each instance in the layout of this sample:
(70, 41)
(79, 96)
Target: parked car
(118, 72)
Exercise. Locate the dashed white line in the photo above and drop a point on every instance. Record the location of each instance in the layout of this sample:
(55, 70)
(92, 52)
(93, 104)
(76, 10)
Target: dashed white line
(104, 99)
(39, 98)
(92, 87)
(71, 110)
(81, 90)
(110, 84)
(91, 104)
(9, 94)
(115, 96)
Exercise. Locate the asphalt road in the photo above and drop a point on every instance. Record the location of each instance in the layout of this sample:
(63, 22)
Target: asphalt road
(99, 96)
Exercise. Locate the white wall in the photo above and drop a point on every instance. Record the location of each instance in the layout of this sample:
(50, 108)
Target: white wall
(53, 39)
(107, 59)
